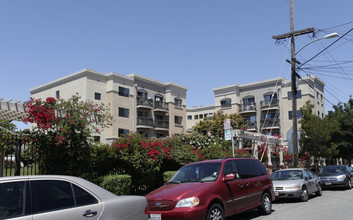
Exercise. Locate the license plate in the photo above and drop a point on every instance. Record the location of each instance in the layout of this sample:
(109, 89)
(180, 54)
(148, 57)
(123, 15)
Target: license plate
(276, 193)
(155, 217)
(328, 183)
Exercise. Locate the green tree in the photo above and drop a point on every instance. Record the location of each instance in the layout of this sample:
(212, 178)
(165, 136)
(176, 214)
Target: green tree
(316, 134)
(343, 137)
(215, 125)
(62, 135)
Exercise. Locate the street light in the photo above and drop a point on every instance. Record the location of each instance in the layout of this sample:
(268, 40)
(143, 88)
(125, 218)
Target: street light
(294, 94)
(332, 35)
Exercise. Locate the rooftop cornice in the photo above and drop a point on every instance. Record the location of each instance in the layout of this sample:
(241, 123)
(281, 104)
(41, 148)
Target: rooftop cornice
(155, 82)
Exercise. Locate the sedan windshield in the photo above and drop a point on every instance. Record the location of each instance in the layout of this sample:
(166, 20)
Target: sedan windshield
(200, 172)
(287, 175)
(333, 169)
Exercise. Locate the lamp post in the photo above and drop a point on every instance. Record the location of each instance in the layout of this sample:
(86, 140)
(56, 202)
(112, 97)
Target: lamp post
(294, 93)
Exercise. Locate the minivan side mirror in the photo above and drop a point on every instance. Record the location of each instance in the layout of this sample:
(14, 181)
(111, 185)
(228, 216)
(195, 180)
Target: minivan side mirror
(228, 177)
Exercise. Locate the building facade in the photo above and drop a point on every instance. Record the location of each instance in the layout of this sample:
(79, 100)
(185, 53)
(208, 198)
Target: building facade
(137, 103)
(266, 105)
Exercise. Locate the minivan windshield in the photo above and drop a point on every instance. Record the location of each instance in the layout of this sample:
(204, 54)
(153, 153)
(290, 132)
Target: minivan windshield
(333, 170)
(199, 172)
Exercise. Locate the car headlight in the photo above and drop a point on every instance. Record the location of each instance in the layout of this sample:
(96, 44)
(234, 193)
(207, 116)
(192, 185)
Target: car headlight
(188, 202)
(293, 187)
(341, 178)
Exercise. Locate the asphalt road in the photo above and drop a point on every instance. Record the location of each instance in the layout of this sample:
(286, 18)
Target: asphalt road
(333, 204)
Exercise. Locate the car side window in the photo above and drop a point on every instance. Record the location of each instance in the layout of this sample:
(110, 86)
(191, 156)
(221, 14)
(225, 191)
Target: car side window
(311, 174)
(229, 168)
(83, 197)
(249, 168)
(306, 174)
(50, 195)
(13, 199)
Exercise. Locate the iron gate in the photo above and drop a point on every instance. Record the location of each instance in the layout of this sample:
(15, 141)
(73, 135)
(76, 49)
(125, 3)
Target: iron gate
(16, 157)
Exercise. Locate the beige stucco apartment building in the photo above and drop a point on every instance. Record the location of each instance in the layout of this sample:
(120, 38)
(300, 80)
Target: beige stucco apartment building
(137, 103)
(266, 105)
(157, 109)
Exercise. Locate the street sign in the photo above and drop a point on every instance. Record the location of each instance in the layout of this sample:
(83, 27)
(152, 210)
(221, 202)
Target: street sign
(227, 125)
(227, 135)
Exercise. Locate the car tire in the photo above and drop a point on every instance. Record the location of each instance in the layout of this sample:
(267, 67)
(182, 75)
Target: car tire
(266, 204)
(304, 195)
(215, 212)
(349, 184)
(319, 191)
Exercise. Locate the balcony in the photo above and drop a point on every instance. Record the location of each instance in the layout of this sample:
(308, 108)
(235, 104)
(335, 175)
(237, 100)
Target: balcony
(161, 106)
(252, 125)
(144, 103)
(274, 104)
(161, 125)
(248, 108)
(273, 123)
(144, 122)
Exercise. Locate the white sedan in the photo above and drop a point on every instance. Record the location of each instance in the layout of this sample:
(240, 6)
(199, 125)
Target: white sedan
(64, 198)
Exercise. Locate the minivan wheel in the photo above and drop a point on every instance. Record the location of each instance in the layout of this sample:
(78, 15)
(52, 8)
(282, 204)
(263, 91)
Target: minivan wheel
(215, 212)
(304, 195)
(266, 204)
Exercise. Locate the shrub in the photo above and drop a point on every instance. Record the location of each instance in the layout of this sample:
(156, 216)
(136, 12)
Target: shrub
(117, 184)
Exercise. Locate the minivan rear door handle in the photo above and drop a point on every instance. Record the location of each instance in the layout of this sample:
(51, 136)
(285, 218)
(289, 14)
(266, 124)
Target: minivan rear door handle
(247, 184)
(241, 185)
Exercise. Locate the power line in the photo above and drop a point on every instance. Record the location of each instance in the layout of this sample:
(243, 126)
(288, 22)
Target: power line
(324, 49)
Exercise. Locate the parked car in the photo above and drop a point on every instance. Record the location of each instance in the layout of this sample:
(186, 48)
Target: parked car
(213, 189)
(295, 183)
(336, 176)
(64, 197)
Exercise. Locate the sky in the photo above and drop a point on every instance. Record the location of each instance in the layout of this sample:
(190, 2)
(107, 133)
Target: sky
(199, 44)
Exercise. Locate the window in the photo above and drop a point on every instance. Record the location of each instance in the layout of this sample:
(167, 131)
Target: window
(318, 113)
(201, 116)
(178, 120)
(290, 114)
(158, 98)
(229, 168)
(177, 102)
(196, 116)
(14, 201)
(249, 168)
(57, 93)
(205, 115)
(82, 197)
(123, 91)
(226, 103)
(299, 94)
(123, 112)
(97, 96)
(142, 95)
(123, 132)
(189, 117)
(51, 195)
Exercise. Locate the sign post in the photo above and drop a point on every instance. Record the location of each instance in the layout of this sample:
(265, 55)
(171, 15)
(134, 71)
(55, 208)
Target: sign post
(228, 133)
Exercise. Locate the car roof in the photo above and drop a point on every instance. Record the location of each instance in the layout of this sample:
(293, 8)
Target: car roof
(288, 169)
(95, 189)
(224, 159)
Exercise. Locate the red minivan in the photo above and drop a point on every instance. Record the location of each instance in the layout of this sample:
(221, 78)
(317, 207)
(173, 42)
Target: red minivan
(213, 189)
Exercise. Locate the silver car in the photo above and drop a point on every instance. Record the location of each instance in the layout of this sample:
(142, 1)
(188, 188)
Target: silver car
(64, 197)
(295, 183)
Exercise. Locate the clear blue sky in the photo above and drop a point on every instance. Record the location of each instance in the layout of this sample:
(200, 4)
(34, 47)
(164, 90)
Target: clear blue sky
(200, 44)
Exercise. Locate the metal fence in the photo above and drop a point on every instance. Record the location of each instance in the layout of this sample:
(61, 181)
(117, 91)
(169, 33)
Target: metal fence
(16, 157)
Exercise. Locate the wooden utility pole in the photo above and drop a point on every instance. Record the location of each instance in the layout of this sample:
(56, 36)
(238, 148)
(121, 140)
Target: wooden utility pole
(292, 34)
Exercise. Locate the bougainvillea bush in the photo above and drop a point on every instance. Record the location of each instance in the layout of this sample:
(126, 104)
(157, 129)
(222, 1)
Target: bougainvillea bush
(62, 130)
(146, 160)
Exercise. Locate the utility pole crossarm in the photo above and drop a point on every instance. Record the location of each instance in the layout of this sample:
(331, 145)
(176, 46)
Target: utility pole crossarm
(295, 33)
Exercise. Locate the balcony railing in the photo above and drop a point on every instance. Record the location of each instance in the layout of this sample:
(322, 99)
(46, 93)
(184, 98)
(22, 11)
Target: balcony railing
(145, 102)
(161, 124)
(248, 107)
(160, 105)
(251, 124)
(145, 121)
(270, 122)
(269, 104)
